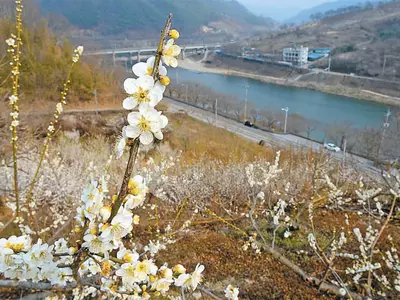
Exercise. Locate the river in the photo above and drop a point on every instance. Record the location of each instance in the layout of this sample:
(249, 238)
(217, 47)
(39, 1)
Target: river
(327, 109)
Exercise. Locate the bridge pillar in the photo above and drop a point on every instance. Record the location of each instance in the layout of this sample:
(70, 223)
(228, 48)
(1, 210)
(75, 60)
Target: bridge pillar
(183, 53)
(131, 57)
(114, 58)
(138, 57)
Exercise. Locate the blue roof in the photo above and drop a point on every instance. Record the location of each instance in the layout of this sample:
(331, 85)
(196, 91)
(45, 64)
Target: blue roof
(314, 56)
(324, 50)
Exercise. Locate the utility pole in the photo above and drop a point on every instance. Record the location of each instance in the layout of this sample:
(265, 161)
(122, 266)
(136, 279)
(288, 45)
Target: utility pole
(330, 62)
(344, 151)
(385, 127)
(245, 103)
(384, 65)
(216, 110)
(96, 102)
(286, 110)
(186, 91)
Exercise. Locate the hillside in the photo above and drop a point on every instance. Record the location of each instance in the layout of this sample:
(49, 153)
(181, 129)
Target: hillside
(114, 17)
(46, 62)
(359, 41)
(305, 15)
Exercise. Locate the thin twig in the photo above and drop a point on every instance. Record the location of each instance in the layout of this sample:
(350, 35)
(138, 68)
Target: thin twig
(376, 241)
(207, 292)
(16, 63)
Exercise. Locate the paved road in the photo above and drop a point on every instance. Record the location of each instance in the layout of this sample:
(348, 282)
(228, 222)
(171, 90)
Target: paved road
(279, 141)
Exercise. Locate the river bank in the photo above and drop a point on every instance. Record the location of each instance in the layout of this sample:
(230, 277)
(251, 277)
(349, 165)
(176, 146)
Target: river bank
(362, 94)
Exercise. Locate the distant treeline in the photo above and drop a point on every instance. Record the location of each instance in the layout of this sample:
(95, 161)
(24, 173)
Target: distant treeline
(348, 9)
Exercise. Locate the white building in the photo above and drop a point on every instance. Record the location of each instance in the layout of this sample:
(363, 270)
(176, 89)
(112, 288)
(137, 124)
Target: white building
(297, 55)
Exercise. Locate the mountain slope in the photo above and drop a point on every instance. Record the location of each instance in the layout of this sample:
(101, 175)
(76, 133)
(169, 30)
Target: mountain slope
(110, 17)
(360, 41)
(304, 15)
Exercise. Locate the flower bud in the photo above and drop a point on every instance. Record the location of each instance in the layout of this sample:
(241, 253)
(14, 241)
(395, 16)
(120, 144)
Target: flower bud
(179, 269)
(164, 80)
(174, 34)
(136, 220)
(105, 212)
(106, 268)
(77, 229)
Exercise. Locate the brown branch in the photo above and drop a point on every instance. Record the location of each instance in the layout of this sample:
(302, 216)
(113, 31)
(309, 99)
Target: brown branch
(315, 282)
(128, 173)
(28, 285)
(59, 230)
(164, 34)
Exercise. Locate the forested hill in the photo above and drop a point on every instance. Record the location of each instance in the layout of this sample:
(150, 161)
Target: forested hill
(110, 17)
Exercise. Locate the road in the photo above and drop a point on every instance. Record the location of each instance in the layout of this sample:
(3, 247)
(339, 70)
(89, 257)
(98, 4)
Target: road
(280, 141)
(273, 140)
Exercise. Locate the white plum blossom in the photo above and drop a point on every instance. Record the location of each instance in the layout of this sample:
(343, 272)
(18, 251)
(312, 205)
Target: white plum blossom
(15, 244)
(77, 54)
(142, 69)
(121, 144)
(59, 108)
(96, 244)
(197, 277)
(13, 99)
(183, 280)
(127, 272)
(143, 92)
(127, 255)
(10, 42)
(170, 54)
(79, 50)
(162, 285)
(105, 213)
(191, 280)
(137, 190)
(144, 124)
(120, 226)
(231, 292)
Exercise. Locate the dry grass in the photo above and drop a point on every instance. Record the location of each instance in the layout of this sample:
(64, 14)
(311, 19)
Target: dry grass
(198, 140)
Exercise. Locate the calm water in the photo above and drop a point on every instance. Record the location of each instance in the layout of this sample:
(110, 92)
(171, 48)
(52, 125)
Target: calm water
(313, 105)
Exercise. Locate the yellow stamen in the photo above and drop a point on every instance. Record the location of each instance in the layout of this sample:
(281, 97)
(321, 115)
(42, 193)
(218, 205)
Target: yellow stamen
(141, 95)
(144, 124)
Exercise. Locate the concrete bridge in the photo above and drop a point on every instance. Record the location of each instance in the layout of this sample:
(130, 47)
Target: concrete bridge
(126, 54)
